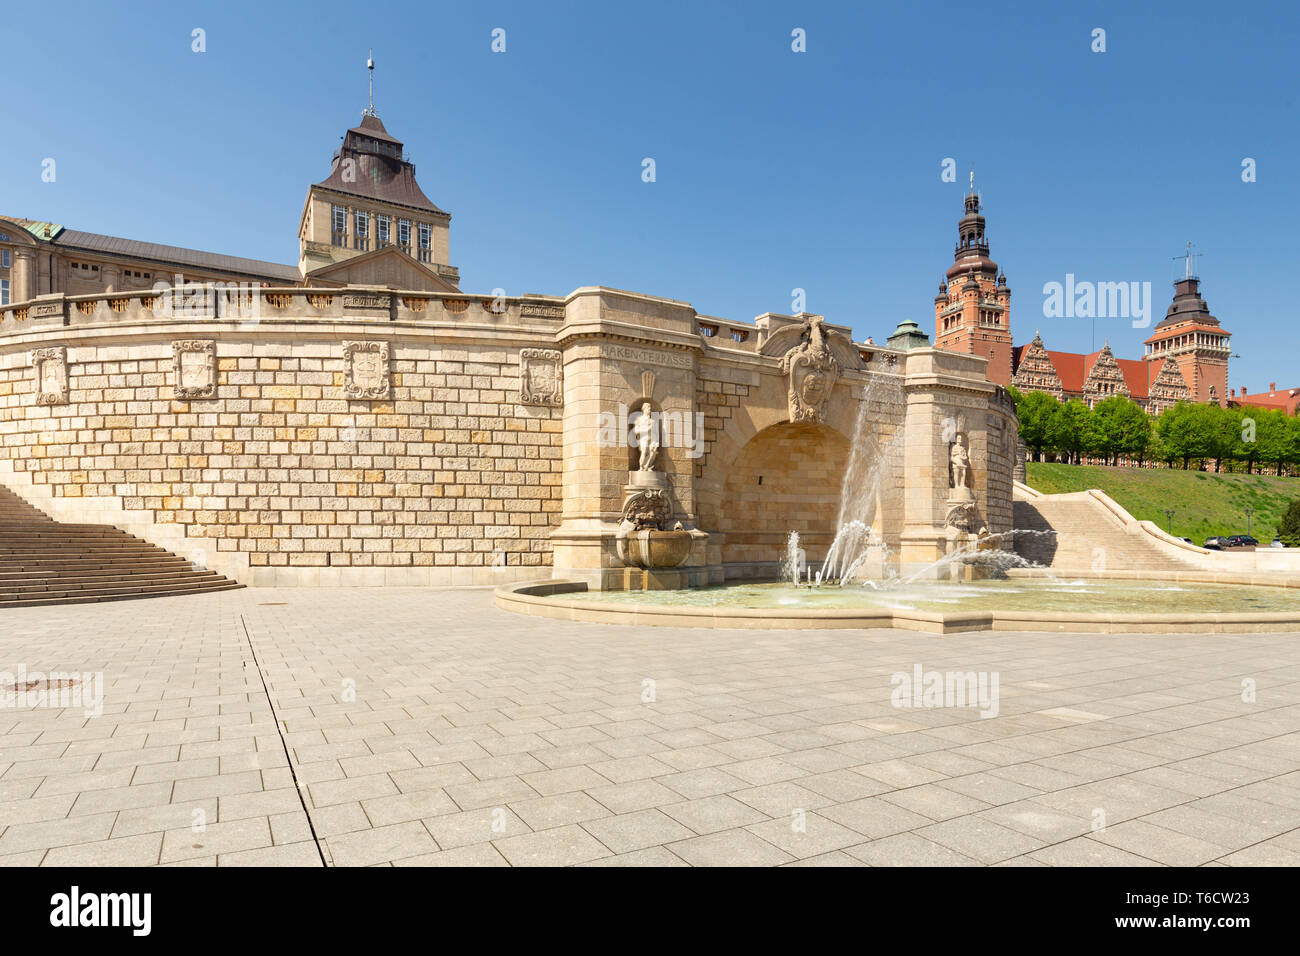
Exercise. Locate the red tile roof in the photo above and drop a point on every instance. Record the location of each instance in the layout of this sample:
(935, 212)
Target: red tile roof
(1070, 368)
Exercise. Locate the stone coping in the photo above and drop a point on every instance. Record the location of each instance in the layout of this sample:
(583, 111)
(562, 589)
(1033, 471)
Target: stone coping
(547, 599)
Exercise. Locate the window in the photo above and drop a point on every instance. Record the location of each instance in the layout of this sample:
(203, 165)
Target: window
(382, 225)
(361, 230)
(426, 242)
(4, 258)
(404, 234)
(338, 225)
(4, 291)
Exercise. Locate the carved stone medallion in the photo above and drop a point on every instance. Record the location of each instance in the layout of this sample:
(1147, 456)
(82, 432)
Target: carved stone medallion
(812, 370)
(195, 366)
(51, 367)
(541, 377)
(365, 369)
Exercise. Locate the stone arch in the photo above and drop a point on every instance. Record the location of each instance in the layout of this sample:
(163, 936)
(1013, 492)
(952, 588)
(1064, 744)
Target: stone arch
(766, 406)
(786, 478)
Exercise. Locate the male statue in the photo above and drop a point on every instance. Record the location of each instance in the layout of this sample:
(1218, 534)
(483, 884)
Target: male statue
(960, 462)
(647, 438)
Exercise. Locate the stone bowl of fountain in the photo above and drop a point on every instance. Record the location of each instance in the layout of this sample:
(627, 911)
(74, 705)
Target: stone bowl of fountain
(641, 541)
(652, 549)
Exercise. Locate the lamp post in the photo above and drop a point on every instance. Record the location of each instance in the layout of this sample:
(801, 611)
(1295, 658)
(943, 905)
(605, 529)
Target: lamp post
(1169, 516)
(1249, 511)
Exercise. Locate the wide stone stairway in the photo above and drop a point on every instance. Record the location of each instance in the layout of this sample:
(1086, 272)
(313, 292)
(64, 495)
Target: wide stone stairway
(1088, 536)
(43, 561)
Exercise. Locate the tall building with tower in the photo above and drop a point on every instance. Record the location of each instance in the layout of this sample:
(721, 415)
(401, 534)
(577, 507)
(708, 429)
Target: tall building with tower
(1186, 357)
(972, 312)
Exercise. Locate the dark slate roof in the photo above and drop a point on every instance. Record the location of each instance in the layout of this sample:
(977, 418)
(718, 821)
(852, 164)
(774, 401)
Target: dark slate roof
(373, 126)
(175, 255)
(378, 169)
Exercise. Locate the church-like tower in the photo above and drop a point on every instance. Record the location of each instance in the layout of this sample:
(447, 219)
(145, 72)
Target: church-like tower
(1193, 338)
(972, 312)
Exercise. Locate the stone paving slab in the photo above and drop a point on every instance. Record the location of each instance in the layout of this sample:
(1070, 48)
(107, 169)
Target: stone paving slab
(429, 728)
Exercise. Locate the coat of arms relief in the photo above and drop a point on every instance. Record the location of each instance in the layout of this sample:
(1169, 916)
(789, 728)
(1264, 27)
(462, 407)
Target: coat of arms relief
(541, 377)
(813, 370)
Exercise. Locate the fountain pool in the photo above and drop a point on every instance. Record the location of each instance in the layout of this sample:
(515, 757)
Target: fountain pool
(1014, 594)
(1029, 600)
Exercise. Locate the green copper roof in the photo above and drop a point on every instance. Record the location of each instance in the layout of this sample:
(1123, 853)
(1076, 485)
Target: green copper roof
(38, 229)
(908, 335)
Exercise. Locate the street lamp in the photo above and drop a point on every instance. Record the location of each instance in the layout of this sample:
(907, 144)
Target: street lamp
(1169, 515)
(1249, 511)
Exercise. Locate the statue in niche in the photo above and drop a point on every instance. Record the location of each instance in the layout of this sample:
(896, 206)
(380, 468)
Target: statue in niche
(813, 370)
(647, 438)
(960, 459)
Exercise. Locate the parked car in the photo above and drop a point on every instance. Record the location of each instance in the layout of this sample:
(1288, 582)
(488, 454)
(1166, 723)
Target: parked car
(1276, 543)
(1241, 541)
(1188, 540)
(1214, 543)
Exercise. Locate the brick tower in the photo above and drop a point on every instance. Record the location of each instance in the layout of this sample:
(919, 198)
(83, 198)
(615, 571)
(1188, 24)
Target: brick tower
(972, 312)
(1193, 338)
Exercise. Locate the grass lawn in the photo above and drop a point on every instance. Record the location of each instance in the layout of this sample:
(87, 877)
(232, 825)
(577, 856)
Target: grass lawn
(1204, 503)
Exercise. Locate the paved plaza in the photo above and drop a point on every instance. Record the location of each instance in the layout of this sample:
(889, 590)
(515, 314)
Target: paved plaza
(412, 727)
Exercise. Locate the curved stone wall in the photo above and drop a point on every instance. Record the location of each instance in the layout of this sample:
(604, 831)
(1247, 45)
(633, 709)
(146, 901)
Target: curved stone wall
(330, 439)
(361, 436)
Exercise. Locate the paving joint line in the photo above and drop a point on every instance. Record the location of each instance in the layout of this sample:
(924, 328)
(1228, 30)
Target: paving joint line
(297, 784)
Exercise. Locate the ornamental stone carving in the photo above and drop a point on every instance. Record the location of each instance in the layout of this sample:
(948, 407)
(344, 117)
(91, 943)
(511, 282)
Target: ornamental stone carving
(51, 367)
(812, 370)
(646, 509)
(195, 365)
(365, 370)
(541, 377)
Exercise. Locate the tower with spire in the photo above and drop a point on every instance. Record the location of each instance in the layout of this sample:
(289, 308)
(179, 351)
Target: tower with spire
(369, 221)
(972, 312)
(1192, 339)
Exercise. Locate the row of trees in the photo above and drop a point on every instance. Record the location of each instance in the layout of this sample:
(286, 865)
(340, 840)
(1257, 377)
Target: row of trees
(1117, 428)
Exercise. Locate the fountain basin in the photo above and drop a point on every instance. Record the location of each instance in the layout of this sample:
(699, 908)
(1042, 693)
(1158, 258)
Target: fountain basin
(655, 550)
(1176, 602)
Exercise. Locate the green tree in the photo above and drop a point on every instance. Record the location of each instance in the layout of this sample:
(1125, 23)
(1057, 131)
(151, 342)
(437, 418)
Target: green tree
(1224, 428)
(1035, 411)
(1117, 427)
(1070, 429)
(1288, 529)
(1187, 431)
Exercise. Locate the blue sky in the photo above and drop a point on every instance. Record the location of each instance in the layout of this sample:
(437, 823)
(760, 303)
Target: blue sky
(775, 170)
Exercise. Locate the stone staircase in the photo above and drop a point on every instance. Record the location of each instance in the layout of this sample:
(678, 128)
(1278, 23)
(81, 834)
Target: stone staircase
(43, 561)
(1088, 536)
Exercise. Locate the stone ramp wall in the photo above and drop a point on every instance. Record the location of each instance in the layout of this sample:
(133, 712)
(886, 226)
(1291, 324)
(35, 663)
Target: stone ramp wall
(1094, 533)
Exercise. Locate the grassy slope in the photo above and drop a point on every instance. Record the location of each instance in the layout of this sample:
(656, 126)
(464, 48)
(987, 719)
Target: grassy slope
(1204, 503)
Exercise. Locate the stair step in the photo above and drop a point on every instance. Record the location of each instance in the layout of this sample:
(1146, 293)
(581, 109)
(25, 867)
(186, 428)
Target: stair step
(45, 562)
(224, 585)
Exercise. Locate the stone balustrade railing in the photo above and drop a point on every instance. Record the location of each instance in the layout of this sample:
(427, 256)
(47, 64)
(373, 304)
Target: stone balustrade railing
(243, 303)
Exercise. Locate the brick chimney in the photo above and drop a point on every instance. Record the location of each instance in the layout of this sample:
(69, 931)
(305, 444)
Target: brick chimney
(1272, 387)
